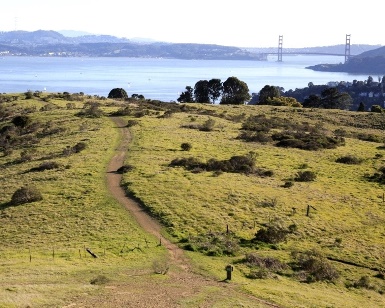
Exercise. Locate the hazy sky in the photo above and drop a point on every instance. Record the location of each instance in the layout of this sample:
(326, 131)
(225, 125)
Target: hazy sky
(243, 23)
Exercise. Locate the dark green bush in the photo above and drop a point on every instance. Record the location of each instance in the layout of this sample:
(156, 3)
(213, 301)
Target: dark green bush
(80, 146)
(305, 176)
(48, 165)
(272, 234)
(26, 194)
(258, 136)
(21, 121)
(315, 266)
(349, 160)
(379, 176)
(118, 93)
(131, 123)
(186, 146)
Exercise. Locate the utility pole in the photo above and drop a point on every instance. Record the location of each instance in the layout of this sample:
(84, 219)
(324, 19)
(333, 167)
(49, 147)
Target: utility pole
(347, 48)
(280, 40)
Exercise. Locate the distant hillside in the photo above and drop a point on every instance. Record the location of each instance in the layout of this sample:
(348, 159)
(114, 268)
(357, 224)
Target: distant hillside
(368, 62)
(42, 37)
(51, 43)
(75, 44)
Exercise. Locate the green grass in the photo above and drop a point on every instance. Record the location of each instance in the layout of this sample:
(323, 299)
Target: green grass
(344, 204)
(42, 254)
(42, 251)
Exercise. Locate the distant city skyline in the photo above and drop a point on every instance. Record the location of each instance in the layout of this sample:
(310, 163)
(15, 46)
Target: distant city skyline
(242, 23)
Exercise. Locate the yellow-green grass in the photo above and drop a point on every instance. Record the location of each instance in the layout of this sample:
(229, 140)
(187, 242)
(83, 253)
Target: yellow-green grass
(344, 204)
(42, 252)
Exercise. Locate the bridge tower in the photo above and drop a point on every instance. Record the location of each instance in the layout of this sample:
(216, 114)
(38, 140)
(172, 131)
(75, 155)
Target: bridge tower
(280, 40)
(347, 48)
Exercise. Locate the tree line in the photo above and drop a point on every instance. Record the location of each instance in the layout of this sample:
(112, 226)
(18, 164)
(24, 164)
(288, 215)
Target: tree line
(236, 92)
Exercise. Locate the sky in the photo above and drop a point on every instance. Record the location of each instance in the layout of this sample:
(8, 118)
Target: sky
(241, 23)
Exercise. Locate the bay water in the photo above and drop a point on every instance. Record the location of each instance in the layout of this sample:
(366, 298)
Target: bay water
(161, 79)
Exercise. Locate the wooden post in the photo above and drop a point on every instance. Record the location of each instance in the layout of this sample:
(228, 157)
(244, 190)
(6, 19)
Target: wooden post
(227, 229)
(30, 256)
(53, 253)
(229, 268)
(91, 253)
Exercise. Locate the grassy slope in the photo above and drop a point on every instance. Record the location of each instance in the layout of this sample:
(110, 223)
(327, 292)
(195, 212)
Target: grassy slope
(347, 206)
(77, 211)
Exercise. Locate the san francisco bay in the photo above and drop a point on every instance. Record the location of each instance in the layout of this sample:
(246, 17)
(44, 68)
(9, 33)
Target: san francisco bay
(161, 79)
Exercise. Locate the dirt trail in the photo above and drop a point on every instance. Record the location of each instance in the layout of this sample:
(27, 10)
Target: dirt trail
(181, 285)
(144, 220)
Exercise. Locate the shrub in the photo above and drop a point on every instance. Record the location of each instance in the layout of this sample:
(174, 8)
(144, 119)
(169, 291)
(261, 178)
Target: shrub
(118, 93)
(48, 165)
(305, 176)
(160, 266)
(253, 259)
(315, 266)
(364, 282)
(377, 108)
(125, 169)
(186, 146)
(379, 176)
(208, 126)
(131, 123)
(349, 160)
(80, 146)
(99, 280)
(77, 148)
(21, 121)
(288, 184)
(272, 234)
(214, 244)
(26, 194)
(28, 94)
(92, 111)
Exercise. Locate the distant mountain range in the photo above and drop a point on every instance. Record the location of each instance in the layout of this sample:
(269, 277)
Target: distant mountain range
(367, 59)
(51, 43)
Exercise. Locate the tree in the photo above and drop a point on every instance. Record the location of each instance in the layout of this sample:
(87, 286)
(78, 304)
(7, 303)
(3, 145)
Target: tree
(361, 107)
(313, 101)
(186, 96)
(118, 93)
(331, 98)
(215, 89)
(235, 92)
(268, 92)
(201, 91)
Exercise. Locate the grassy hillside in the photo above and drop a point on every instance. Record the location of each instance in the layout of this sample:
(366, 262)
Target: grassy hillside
(345, 221)
(323, 240)
(42, 252)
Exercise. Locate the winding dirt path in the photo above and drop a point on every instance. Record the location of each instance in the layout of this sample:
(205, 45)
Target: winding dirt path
(181, 286)
(144, 220)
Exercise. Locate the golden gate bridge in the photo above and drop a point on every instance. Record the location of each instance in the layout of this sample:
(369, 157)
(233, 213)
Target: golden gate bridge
(280, 51)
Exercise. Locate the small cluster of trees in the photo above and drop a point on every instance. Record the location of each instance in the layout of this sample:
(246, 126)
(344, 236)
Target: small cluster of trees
(232, 91)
